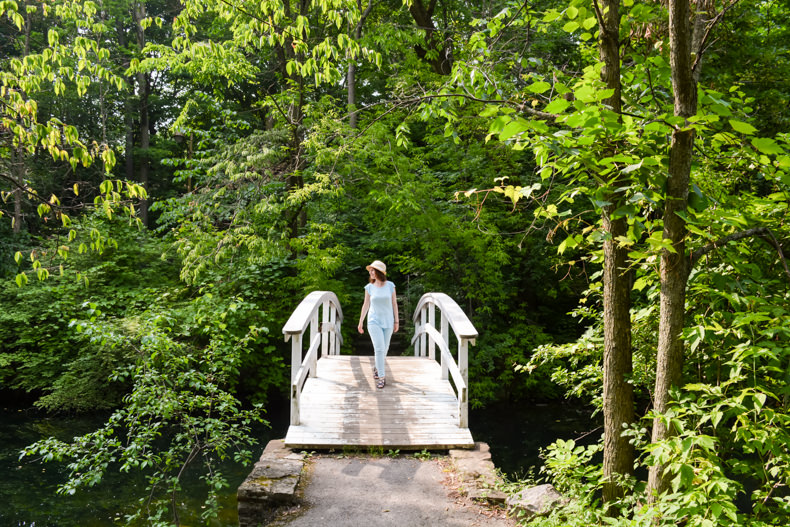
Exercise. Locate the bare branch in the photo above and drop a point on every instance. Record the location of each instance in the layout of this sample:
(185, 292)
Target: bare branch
(26, 190)
(762, 232)
(704, 40)
(721, 242)
(770, 238)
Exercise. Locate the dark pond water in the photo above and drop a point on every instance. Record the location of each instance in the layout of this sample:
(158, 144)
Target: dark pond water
(517, 432)
(27, 489)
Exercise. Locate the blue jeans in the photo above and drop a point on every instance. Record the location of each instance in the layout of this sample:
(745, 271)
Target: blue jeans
(381, 345)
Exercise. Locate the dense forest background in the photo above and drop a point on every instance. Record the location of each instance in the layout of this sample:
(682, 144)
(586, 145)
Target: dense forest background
(602, 186)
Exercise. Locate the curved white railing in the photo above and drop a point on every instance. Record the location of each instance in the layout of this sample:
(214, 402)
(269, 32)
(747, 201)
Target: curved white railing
(326, 336)
(427, 337)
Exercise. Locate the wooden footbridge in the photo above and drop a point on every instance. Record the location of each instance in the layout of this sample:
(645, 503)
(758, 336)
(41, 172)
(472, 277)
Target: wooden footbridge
(334, 400)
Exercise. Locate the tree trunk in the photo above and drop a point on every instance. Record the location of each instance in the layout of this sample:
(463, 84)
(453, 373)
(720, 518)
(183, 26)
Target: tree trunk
(18, 167)
(352, 94)
(128, 107)
(351, 76)
(129, 125)
(297, 219)
(440, 52)
(618, 398)
(18, 175)
(144, 129)
(674, 264)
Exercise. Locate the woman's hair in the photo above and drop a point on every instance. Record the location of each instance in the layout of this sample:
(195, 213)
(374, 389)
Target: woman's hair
(381, 276)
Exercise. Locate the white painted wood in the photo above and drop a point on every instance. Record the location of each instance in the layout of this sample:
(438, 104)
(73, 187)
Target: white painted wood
(342, 407)
(432, 323)
(461, 325)
(306, 369)
(324, 327)
(451, 316)
(306, 313)
(334, 401)
(303, 313)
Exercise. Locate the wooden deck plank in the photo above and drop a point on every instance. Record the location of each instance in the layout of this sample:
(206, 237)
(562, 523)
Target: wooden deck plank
(341, 406)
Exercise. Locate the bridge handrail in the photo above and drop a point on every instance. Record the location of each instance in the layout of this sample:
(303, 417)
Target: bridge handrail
(327, 336)
(460, 323)
(427, 337)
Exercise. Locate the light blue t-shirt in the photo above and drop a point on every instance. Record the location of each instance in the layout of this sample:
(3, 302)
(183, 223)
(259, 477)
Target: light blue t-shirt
(380, 312)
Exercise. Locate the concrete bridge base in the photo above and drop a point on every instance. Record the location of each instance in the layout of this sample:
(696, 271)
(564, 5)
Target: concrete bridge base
(272, 484)
(405, 489)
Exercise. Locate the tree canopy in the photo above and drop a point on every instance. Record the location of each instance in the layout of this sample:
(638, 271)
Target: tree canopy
(601, 185)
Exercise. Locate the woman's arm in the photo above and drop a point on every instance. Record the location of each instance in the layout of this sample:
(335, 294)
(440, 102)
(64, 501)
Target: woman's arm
(365, 307)
(395, 310)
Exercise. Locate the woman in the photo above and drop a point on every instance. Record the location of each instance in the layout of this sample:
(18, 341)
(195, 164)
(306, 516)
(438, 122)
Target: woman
(381, 307)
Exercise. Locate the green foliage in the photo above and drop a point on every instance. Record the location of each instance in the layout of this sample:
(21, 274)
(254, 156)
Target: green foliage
(179, 412)
(487, 184)
(40, 352)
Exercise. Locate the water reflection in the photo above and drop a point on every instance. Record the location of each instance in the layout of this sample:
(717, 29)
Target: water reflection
(517, 432)
(27, 488)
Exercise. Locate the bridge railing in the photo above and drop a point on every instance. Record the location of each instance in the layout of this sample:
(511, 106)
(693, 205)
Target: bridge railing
(324, 336)
(427, 338)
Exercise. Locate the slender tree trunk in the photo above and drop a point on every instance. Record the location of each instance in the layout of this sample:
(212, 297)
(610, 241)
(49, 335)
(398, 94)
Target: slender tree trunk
(18, 174)
(674, 264)
(144, 130)
(351, 76)
(128, 106)
(128, 109)
(18, 153)
(352, 94)
(294, 180)
(442, 62)
(618, 398)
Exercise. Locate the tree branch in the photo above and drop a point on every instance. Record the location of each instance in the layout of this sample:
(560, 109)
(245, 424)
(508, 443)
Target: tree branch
(770, 238)
(704, 40)
(599, 16)
(762, 232)
(721, 242)
(27, 190)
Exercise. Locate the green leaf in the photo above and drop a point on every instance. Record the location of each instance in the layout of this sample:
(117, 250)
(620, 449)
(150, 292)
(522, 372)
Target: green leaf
(567, 243)
(744, 128)
(570, 27)
(766, 145)
(490, 111)
(557, 106)
(539, 87)
(513, 128)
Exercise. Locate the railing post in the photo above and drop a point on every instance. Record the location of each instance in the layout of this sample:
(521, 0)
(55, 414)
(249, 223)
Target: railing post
(296, 355)
(336, 349)
(432, 322)
(445, 329)
(324, 329)
(313, 332)
(424, 337)
(296, 362)
(416, 342)
(463, 367)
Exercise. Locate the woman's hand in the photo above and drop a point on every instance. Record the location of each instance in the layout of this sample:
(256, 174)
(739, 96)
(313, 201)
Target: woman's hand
(397, 326)
(359, 328)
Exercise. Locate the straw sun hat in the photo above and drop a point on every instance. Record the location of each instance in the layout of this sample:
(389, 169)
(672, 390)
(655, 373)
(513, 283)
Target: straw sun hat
(378, 265)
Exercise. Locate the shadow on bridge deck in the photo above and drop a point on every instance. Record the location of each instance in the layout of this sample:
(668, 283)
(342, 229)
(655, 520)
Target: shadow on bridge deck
(341, 407)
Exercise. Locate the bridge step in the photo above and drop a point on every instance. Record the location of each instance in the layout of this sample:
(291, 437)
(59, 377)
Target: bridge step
(341, 407)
